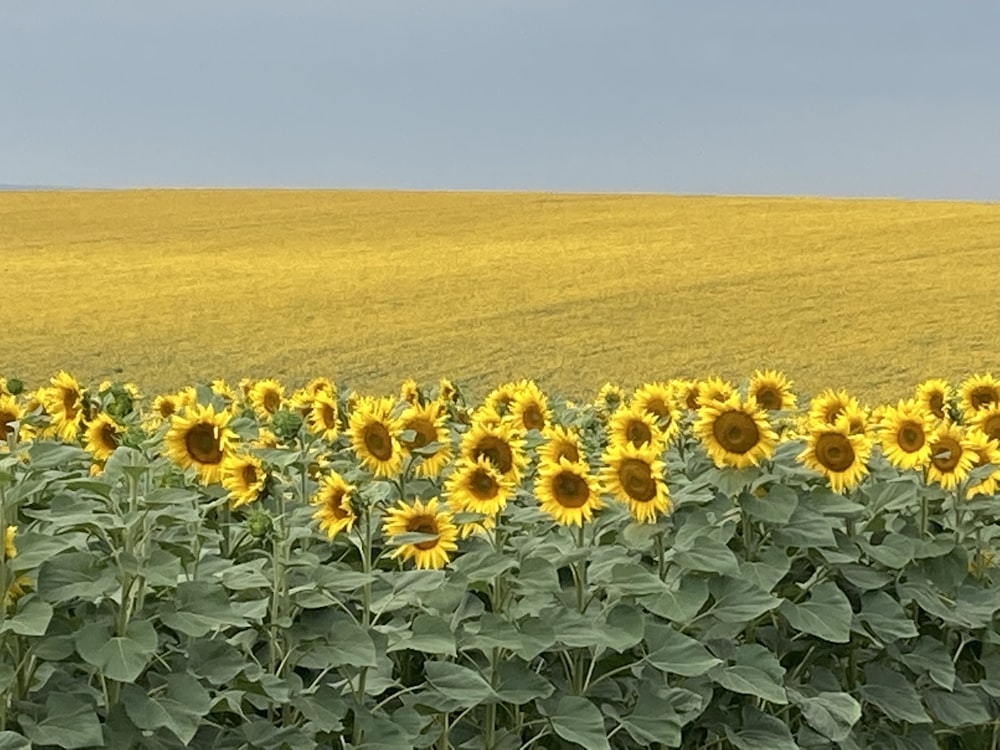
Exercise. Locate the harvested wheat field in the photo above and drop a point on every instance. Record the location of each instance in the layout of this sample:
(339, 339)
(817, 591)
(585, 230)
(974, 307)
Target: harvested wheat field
(167, 287)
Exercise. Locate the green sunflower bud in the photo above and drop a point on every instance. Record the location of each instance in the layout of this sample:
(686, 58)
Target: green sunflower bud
(286, 424)
(259, 524)
(15, 387)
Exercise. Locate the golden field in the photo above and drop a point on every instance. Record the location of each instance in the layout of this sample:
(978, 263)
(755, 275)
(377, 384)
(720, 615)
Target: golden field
(168, 287)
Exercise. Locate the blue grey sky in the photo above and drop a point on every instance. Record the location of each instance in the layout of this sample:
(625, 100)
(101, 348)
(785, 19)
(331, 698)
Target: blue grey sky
(854, 97)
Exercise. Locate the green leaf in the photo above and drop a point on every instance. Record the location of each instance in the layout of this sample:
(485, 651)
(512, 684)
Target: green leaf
(537, 636)
(960, 707)
(349, 644)
(739, 601)
(761, 731)
(490, 631)
(680, 604)
(885, 617)
(768, 570)
(893, 694)
(709, 556)
(634, 580)
(429, 635)
(864, 577)
(826, 614)
(33, 549)
(483, 564)
(14, 741)
(76, 575)
(69, 722)
(517, 684)
(930, 657)
(623, 627)
(179, 710)
(324, 709)
(51, 455)
(806, 528)
(833, 715)
(200, 607)
(776, 507)
(756, 671)
(894, 551)
(573, 629)
(32, 617)
(576, 719)
(119, 658)
(215, 660)
(675, 653)
(458, 683)
(653, 720)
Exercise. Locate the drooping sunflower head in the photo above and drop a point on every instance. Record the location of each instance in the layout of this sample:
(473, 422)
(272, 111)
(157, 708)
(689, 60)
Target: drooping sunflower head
(831, 404)
(374, 434)
(905, 434)
(634, 475)
(637, 427)
(64, 403)
(987, 454)
(266, 397)
(10, 411)
(567, 492)
(735, 433)
(103, 435)
(200, 438)
(657, 399)
(323, 416)
(244, 476)
(429, 519)
(952, 456)
(987, 421)
(499, 444)
(529, 407)
(429, 428)
(772, 390)
(561, 442)
(934, 395)
(609, 397)
(478, 487)
(976, 393)
(837, 453)
(333, 505)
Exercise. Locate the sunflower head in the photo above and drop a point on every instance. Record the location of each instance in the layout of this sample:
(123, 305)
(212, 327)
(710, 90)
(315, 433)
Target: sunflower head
(772, 390)
(657, 400)
(103, 435)
(64, 402)
(244, 476)
(266, 397)
(200, 438)
(634, 475)
(829, 405)
(635, 426)
(987, 454)
(478, 487)
(609, 397)
(905, 434)
(10, 412)
(323, 415)
(332, 502)
(837, 453)
(374, 434)
(500, 398)
(427, 424)
(685, 394)
(987, 421)
(409, 392)
(934, 395)
(952, 456)
(978, 392)
(223, 390)
(431, 521)
(499, 444)
(567, 492)
(529, 407)
(735, 433)
(561, 442)
(9, 549)
(714, 390)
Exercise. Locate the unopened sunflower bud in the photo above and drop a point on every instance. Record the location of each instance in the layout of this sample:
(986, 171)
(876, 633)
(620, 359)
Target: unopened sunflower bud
(259, 524)
(15, 387)
(286, 424)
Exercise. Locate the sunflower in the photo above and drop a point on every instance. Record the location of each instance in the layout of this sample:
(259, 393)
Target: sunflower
(374, 434)
(266, 397)
(428, 425)
(323, 414)
(657, 399)
(987, 454)
(244, 476)
(478, 487)
(635, 426)
(63, 402)
(830, 404)
(567, 492)
(529, 407)
(409, 391)
(560, 442)
(952, 456)
(499, 444)
(102, 436)
(837, 453)
(10, 411)
(934, 396)
(333, 505)
(735, 433)
(987, 420)
(634, 475)
(500, 398)
(9, 548)
(772, 389)
(223, 390)
(422, 518)
(858, 419)
(714, 390)
(905, 435)
(200, 438)
(265, 439)
(978, 392)
(168, 404)
(609, 398)
(685, 394)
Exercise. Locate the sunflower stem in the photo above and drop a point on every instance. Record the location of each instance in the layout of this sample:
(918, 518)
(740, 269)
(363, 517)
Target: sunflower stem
(366, 601)
(661, 565)
(925, 514)
(581, 573)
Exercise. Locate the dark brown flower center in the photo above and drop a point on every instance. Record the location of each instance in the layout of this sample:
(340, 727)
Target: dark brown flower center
(272, 401)
(835, 452)
(691, 400)
(482, 485)
(167, 407)
(991, 427)
(568, 451)
(638, 433)
(768, 397)
(248, 475)
(495, 450)
(378, 441)
(736, 431)
(6, 417)
(108, 436)
(532, 417)
(910, 437)
(658, 407)
(334, 500)
(424, 525)
(637, 480)
(327, 416)
(946, 453)
(936, 404)
(982, 396)
(203, 444)
(570, 490)
(426, 433)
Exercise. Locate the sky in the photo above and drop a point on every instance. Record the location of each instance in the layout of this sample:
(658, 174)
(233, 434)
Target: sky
(894, 98)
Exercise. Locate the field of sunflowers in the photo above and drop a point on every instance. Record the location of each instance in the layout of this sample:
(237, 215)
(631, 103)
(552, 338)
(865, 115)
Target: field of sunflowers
(696, 564)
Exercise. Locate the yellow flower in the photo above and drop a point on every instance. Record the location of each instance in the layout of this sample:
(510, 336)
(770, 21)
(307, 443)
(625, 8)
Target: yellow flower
(685, 393)
(244, 476)
(772, 390)
(10, 411)
(9, 549)
(102, 436)
(333, 505)
(735, 433)
(567, 492)
(987, 454)
(200, 438)
(409, 392)
(499, 444)
(422, 518)
(837, 453)
(636, 427)
(560, 442)
(713, 390)
(635, 476)
(478, 487)
(428, 424)
(168, 404)
(374, 435)
(609, 398)
(500, 398)
(447, 392)
(657, 400)
(64, 404)
(223, 390)
(266, 397)
(830, 404)
(987, 421)
(530, 408)
(934, 396)
(952, 457)
(905, 435)
(323, 415)
(978, 392)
